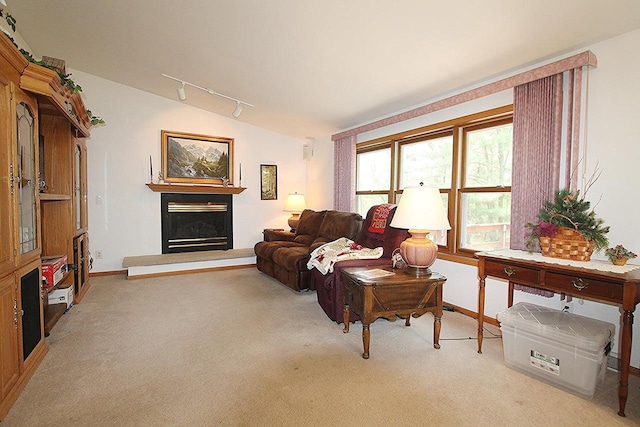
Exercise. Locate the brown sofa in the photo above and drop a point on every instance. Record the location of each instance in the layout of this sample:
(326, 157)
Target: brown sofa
(330, 289)
(284, 255)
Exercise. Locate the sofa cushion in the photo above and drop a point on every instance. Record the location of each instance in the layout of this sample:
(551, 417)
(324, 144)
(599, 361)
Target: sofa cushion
(337, 224)
(389, 240)
(266, 249)
(368, 239)
(308, 226)
(292, 258)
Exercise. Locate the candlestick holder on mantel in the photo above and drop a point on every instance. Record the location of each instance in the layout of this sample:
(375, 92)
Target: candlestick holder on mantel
(194, 188)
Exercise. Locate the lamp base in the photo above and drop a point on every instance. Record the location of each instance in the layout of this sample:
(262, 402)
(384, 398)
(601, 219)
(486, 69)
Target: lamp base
(418, 271)
(418, 251)
(293, 222)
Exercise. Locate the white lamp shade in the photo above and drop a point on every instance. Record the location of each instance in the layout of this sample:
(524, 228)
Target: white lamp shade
(421, 208)
(295, 203)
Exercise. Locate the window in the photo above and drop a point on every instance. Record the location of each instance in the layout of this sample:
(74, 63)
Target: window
(373, 177)
(485, 194)
(469, 159)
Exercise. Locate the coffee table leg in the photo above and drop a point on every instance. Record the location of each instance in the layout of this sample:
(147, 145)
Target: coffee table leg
(366, 336)
(345, 317)
(436, 332)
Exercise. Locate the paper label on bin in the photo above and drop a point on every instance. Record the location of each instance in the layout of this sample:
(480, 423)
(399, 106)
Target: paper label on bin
(546, 363)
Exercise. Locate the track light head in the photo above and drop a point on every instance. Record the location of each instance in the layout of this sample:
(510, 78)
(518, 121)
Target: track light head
(181, 93)
(237, 110)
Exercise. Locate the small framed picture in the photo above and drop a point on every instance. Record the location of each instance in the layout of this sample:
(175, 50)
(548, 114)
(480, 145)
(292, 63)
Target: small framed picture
(268, 182)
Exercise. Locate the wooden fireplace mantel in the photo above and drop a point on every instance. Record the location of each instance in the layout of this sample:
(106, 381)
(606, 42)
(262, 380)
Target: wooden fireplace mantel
(194, 188)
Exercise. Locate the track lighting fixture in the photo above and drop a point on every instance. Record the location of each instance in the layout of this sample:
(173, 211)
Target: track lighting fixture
(237, 110)
(182, 94)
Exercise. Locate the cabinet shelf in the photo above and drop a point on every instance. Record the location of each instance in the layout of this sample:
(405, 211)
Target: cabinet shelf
(44, 197)
(52, 313)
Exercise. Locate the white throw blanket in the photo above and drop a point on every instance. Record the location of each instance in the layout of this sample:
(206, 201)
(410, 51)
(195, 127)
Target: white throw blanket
(324, 257)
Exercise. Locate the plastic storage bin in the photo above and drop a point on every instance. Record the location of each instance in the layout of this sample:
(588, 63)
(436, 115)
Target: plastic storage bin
(563, 348)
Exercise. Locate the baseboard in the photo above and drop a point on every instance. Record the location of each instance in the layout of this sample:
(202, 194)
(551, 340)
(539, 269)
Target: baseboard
(613, 362)
(107, 273)
(473, 314)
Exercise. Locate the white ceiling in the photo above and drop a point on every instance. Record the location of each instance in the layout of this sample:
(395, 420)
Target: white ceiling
(312, 67)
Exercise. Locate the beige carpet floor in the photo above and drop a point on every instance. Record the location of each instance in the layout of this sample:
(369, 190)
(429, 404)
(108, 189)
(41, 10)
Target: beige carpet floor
(236, 348)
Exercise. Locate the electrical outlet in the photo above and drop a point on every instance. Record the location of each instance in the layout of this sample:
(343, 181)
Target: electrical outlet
(566, 306)
(99, 254)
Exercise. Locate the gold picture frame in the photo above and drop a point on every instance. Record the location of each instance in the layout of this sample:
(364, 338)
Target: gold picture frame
(196, 159)
(268, 182)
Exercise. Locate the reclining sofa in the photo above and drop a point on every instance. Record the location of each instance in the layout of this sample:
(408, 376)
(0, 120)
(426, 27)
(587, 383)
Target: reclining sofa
(330, 289)
(284, 255)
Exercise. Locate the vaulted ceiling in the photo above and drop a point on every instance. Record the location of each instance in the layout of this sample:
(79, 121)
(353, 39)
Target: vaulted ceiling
(312, 67)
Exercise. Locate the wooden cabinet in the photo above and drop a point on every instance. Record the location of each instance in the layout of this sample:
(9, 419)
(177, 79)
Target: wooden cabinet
(80, 186)
(23, 175)
(6, 175)
(43, 206)
(82, 263)
(30, 315)
(9, 352)
(22, 345)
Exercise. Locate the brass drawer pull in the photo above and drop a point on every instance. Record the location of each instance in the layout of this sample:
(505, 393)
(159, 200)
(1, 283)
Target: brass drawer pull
(579, 284)
(510, 271)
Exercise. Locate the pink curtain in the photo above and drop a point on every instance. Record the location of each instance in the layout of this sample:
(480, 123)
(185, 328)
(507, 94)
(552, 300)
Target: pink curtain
(537, 145)
(344, 178)
(537, 131)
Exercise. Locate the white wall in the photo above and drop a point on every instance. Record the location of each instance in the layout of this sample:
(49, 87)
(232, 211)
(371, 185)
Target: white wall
(612, 143)
(124, 215)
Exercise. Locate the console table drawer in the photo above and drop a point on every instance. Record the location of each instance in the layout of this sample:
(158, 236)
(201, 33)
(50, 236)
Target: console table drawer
(514, 273)
(577, 286)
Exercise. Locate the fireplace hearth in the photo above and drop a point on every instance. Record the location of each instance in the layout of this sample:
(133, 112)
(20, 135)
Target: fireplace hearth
(196, 222)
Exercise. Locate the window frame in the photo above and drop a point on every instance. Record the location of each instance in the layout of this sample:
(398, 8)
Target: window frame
(368, 147)
(457, 128)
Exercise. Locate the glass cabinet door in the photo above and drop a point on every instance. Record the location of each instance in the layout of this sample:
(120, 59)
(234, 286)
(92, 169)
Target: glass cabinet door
(77, 183)
(25, 179)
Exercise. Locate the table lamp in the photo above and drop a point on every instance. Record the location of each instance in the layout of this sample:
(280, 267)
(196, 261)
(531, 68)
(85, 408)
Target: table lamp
(420, 210)
(294, 204)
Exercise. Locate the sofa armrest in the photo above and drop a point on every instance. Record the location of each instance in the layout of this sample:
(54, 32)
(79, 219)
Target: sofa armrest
(278, 235)
(315, 245)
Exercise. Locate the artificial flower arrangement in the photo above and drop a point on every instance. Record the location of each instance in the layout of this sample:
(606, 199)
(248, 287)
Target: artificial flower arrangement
(619, 255)
(568, 211)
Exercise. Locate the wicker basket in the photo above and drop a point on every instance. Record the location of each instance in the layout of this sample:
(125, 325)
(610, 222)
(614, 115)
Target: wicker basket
(567, 244)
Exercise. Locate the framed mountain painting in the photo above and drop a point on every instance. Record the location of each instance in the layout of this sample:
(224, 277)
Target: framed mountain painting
(196, 159)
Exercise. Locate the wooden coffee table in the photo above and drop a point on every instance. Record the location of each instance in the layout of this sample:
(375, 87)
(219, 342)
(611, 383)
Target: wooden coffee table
(374, 292)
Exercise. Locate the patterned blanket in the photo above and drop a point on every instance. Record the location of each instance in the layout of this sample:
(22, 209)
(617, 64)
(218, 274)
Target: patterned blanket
(324, 257)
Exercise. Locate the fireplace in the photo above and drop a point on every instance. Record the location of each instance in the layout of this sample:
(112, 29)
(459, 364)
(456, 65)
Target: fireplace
(196, 222)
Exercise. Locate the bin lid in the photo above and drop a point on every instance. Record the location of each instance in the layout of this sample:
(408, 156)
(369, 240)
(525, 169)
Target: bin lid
(568, 328)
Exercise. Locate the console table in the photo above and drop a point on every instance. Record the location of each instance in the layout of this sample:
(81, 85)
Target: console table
(374, 292)
(620, 287)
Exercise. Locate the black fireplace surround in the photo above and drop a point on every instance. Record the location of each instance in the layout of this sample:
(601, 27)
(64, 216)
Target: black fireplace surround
(196, 222)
